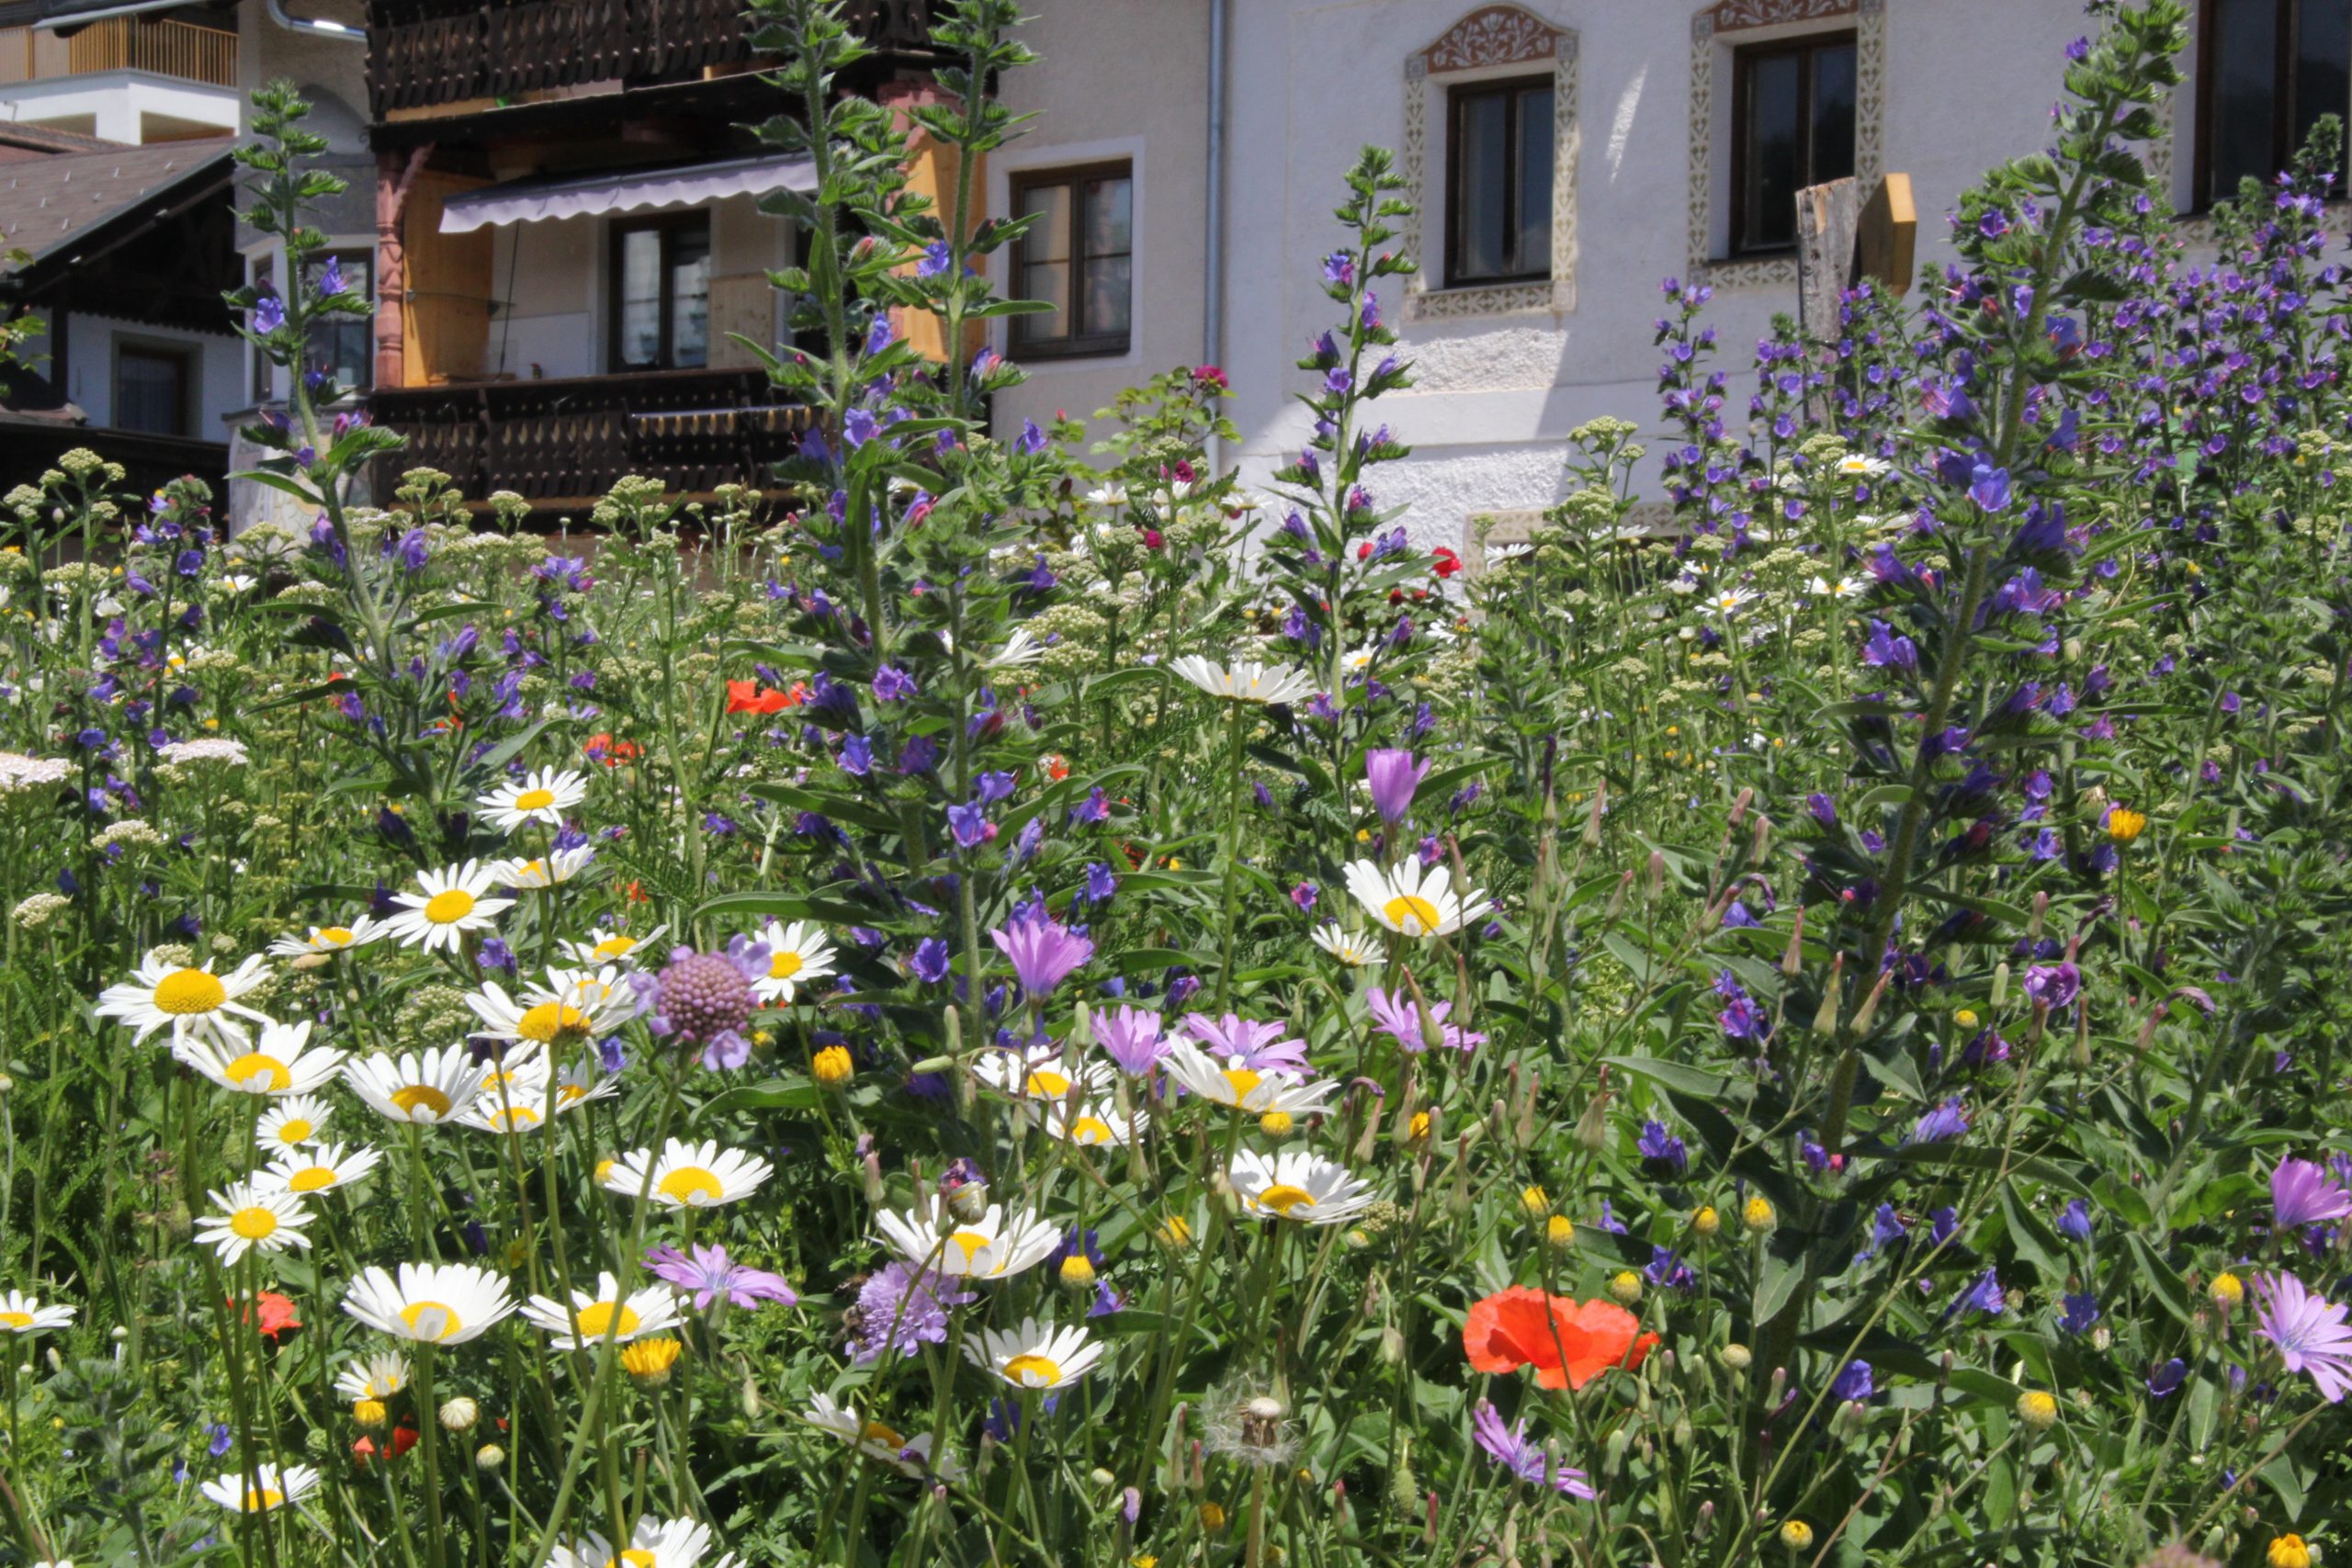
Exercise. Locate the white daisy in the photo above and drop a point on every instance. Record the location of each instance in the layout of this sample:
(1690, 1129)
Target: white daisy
(992, 1248)
(909, 1456)
(426, 1089)
(1020, 649)
(253, 1215)
(568, 1006)
(654, 1543)
(328, 1168)
(1411, 901)
(1296, 1186)
(543, 797)
(688, 1176)
(1247, 681)
(1039, 1072)
(1110, 494)
(1858, 466)
(21, 1314)
(378, 1376)
(432, 1303)
(450, 903)
(292, 1123)
(1036, 1354)
(611, 948)
(1356, 661)
(797, 953)
(595, 1315)
(238, 581)
(1847, 587)
(279, 1063)
(1089, 1124)
(1352, 948)
(187, 1001)
(265, 1487)
(546, 871)
(1256, 1090)
(329, 939)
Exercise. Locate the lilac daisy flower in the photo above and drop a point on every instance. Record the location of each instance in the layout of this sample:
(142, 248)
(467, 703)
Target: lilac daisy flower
(1246, 1041)
(2308, 1331)
(1132, 1037)
(709, 1274)
(1509, 1447)
(1394, 776)
(1398, 1019)
(1044, 953)
(2302, 1192)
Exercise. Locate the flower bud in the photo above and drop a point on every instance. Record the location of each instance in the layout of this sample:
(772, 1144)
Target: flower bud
(1536, 1201)
(369, 1415)
(831, 1067)
(1796, 1535)
(1560, 1233)
(2000, 983)
(2037, 1409)
(1824, 1021)
(459, 1414)
(1592, 1127)
(1277, 1125)
(1077, 1272)
(1625, 1287)
(490, 1456)
(1759, 1216)
(1705, 1221)
(1736, 1358)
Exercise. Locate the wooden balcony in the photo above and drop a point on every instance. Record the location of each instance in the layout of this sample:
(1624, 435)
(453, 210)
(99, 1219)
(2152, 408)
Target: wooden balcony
(563, 442)
(121, 43)
(423, 54)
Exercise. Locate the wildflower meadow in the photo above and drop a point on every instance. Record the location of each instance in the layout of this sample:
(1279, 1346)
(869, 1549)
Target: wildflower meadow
(1040, 1005)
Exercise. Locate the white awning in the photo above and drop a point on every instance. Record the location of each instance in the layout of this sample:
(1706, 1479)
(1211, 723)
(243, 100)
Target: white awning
(627, 190)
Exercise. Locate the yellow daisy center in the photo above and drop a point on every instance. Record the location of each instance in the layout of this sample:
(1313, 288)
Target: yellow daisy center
(550, 1022)
(535, 800)
(613, 947)
(332, 936)
(875, 1432)
(1281, 1198)
(294, 1130)
(1242, 1082)
(408, 1097)
(257, 1065)
(1090, 1130)
(255, 1223)
(514, 1116)
(261, 1499)
(1046, 1083)
(785, 966)
(972, 1242)
(317, 1179)
(1411, 914)
(1032, 1371)
(448, 908)
(186, 991)
(431, 1320)
(16, 1320)
(594, 1322)
(636, 1557)
(570, 1094)
(692, 1184)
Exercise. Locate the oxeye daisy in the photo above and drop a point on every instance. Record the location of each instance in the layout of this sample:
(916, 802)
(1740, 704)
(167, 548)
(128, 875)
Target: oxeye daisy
(568, 1006)
(797, 954)
(654, 1543)
(1090, 1125)
(1302, 1187)
(448, 903)
(1411, 901)
(595, 1316)
(688, 1176)
(909, 1456)
(261, 1489)
(990, 1247)
(425, 1089)
(1731, 601)
(252, 1215)
(329, 939)
(1253, 1090)
(613, 947)
(292, 1123)
(21, 1314)
(543, 797)
(1246, 682)
(323, 1171)
(378, 1377)
(545, 871)
(1353, 949)
(1039, 1072)
(432, 1304)
(1036, 1354)
(279, 1063)
(190, 1002)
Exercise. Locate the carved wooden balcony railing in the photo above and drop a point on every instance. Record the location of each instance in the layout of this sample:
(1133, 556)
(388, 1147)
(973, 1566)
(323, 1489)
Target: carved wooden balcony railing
(422, 54)
(566, 440)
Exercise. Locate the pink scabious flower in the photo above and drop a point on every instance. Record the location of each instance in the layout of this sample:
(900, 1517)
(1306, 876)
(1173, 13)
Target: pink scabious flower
(1401, 1021)
(2304, 1192)
(1132, 1036)
(710, 1274)
(1245, 1043)
(1044, 953)
(1527, 1460)
(2308, 1331)
(705, 998)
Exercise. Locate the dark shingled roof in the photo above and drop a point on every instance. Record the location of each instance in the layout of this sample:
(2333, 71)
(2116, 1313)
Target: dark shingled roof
(49, 139)
(49, 206)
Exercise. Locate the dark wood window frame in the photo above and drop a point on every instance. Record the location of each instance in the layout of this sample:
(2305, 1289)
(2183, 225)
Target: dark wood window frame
(188, 356)
(668, 225)
(1079, 343)
(1457, 100)
(364, 283)
(1743, 59)
(2284, 142)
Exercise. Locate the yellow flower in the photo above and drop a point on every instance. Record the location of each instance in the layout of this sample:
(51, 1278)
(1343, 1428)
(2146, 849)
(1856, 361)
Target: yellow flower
(1706, 1221)
(648, 1362)
(1560, 1231)
(1796, 1535)
(831, 1067)
(1759, 1215)
(2124, 825)
(2288, 1551)
(368, 1413)
(1965, 1018)
(1212, 1518)
(1535, 1201)
(1175, 1231)
(2037, 1409)
(1078, 1273)
(1276, 1123)
(2227, 1289)
(1625, 1287)
(1417, 1132)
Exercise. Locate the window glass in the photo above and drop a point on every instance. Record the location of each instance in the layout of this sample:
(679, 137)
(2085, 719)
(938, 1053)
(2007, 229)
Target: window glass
(1535, 172)
(690, 297)
(1774, 148)
(1482, 169)
(1076, 258)
(2243, 38)
(640, 297)
(2322, 70)
(151, 390)
(1833, 115)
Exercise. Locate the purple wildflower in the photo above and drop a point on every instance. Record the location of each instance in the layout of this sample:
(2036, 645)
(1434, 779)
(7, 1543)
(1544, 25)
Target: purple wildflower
(2308, 1331)
(1246, 1041)
(1132, 1037)
(2304, 1192)
(705, 998)
(901, 1308)
(709, 1274)
(1509, 1447)
(1044, 953)
(1398, 1019)
(1394, 776)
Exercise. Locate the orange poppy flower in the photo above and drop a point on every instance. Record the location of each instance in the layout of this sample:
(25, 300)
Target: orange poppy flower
(611, 752)
(275, 1316)
(1568, 1342)
(747, 696)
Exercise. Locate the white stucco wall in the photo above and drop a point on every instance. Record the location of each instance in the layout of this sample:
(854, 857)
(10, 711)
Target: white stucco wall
(89, 367)
(134, 106)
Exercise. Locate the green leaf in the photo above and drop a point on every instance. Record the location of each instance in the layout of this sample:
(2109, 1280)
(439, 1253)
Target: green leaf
(2160, 1277)
(785, 906)
(1685, 1079)
(1777, 1275)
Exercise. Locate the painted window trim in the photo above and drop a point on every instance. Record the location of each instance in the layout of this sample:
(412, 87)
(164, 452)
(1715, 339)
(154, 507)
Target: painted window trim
(1093, 345)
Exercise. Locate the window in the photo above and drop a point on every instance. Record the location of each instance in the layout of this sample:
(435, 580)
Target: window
(344, 347)
(264, 383)
(150, 387)
(1078, 257)
(1499, 183)
(2269, 68)
(661, 294)
(1793, 125)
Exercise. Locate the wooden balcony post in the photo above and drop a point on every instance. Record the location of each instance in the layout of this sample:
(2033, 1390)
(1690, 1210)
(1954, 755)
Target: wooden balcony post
(932, 171)
(394, 179)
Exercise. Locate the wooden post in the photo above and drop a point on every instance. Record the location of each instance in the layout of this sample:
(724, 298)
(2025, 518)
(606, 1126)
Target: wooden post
(393, 181)
(1827, 217)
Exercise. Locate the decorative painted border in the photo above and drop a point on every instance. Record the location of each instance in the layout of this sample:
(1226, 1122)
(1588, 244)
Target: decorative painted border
(1869, 122)
(1492, 36)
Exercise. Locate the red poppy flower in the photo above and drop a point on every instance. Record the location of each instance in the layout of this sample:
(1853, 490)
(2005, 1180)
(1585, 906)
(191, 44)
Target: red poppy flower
(1056, 768)
(1567, 1341)
(276, 1315)
(747, 696)
(1445, 563)
(611, 752)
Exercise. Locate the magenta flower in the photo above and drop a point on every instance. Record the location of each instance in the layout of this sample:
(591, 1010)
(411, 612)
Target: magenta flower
(1244, 1041)
(902, 1308)
(1132, 1036)
(710, 1274)
(1399, 1019)
(1527, 1460)
(2308, 1331)
(1044, 952)
(1394, 776)
(705, 998)
(2304, 1192)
